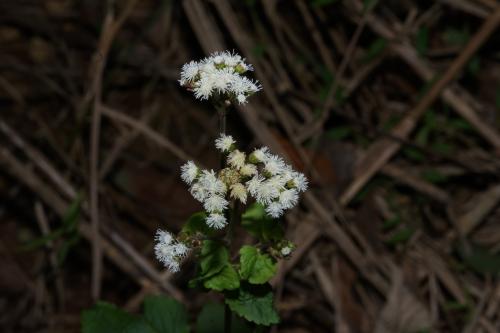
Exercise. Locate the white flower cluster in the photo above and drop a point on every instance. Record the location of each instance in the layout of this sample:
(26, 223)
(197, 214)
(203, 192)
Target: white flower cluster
(169, 251)
(264, 176)
(220, 74)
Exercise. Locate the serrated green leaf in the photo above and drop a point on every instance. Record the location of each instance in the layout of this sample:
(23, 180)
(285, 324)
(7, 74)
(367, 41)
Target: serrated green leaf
(166, 315)
(226, 279)
(107, 318)
(256, 267)
(211, 320)
(254, 303)
(213, 258)
(258, 224)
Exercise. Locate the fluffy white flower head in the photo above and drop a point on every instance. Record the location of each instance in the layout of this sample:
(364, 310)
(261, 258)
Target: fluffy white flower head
(286, 251)
(169, 251)
(300, 181)
(254, 184)
(267, 192)
(217, 221)
(274, 209)
(237, 159)
(215, 203)
(274, 164)
(265, 177)
(220, 74)
(189, 172)
(248, 170)
(238, 191)
(224, 143)
(288, 198)
(260, 155)
(211, 183)
(189, 72)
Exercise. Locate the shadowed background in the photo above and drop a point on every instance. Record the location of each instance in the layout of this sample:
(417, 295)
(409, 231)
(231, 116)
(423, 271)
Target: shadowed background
(392, 109)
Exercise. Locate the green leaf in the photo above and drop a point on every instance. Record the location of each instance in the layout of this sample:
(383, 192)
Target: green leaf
(430, 118)
(166, 315)
(258, 224)
(71, 216)
(474, 65)
(442, 148)
(338, 133)
(213, 258)
(413, 154)
(456, 306)
(374, 50)
(422, 137)
(460, 124)
(216, 272)
(256, 267)
(321, 3)
(456, 37)
(391, 223)
(107, 318)
(196, 224)
(259, 50)
(211, 320)
(254, 303)
(391, 122)
(69, 222)
(369, 4)
(400, 236)
(41, 241)
(226, 279)
(422, 42)
(480, 259)
(66, 246)
(434, 176)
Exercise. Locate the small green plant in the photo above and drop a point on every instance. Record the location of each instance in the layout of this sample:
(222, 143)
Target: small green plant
(250, 191)
(160, 315)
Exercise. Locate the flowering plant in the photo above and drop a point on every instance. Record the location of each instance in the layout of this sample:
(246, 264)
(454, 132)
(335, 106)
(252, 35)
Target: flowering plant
(249, 192)
(261, 180)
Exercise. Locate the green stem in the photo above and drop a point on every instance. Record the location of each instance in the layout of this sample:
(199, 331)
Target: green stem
(222, 111)
(227, 319)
